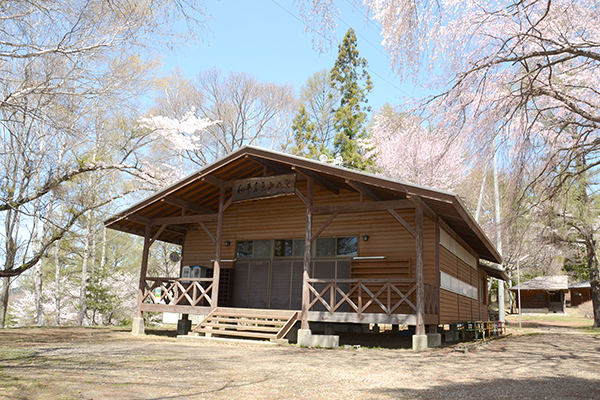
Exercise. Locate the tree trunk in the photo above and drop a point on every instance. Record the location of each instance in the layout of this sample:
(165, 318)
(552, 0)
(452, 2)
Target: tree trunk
(57, 281)
(84, 275)
(592, 262)
(37, 290)
(11, 223)
(4, 301)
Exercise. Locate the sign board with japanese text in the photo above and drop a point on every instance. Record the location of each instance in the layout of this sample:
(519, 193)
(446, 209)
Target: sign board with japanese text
(264, 187)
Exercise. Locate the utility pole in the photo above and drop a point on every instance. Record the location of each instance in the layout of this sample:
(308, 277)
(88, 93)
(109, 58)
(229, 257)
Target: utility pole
(501, 313)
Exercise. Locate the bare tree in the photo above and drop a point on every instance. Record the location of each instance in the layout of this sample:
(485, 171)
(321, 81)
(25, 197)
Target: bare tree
(320, 100)
(248, 111)
(60, 61)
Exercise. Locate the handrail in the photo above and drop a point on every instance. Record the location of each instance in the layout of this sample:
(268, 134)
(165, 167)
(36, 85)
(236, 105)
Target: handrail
(401, 280)
(362, 289)
(178, 291)
(178, 279)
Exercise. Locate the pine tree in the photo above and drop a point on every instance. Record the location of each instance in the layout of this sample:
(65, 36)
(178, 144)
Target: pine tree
(304, 136)
(349, 75)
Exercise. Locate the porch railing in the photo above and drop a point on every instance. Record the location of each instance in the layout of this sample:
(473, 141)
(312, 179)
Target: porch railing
(178, 291)
(395, 296)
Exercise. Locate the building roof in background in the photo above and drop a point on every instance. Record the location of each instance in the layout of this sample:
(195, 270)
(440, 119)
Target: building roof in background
(556, 282)
(580, 285)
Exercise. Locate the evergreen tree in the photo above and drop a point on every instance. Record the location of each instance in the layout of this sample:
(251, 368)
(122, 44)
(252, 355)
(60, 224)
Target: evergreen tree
(304, 136)
(350, 77)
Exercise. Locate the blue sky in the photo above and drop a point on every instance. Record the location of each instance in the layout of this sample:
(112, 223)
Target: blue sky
(266, 38)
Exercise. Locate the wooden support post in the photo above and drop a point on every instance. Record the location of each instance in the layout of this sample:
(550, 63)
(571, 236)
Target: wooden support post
(219, 239)
(437, 270)
(307, 254)
(143, 269)
(420, 328)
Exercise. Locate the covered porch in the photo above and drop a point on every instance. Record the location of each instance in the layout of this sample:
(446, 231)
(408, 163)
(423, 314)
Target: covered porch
(357, 301)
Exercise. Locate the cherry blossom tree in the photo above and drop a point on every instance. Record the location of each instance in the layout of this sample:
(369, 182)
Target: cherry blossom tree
(406, 149)
(175, 139)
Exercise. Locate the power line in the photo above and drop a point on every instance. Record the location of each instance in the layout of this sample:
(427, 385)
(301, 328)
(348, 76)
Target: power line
(359, 34)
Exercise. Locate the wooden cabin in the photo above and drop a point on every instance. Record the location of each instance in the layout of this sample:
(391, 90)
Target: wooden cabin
(543, 294)
(274, 236)
(580, 293)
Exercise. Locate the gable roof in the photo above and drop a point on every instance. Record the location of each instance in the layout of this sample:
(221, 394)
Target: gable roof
(580, 285)
(198, 195)
(556, 282)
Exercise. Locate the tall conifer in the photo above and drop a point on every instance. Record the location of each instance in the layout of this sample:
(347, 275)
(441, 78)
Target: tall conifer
(349, 75)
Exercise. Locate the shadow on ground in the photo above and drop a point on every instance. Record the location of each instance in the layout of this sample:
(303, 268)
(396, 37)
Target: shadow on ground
(546, 388)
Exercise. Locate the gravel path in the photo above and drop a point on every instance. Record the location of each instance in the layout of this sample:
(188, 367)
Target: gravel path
(80, 363)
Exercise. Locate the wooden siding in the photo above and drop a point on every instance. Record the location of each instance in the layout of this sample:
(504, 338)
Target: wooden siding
(448, 307)
(579, 296)
(284, 218)
(455, 307)
(529, 300)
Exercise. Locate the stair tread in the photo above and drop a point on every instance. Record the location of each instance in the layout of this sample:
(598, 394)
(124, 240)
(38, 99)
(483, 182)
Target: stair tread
(237, 333)
(242, 327)
(246, 320)
(264, 316)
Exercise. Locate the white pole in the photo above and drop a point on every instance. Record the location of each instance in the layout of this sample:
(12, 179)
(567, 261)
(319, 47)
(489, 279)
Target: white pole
(519, 290)
(498, 221)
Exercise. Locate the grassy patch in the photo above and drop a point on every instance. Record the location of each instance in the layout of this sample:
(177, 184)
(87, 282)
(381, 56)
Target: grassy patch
(16, 354)
(589, 329)
(533, 334)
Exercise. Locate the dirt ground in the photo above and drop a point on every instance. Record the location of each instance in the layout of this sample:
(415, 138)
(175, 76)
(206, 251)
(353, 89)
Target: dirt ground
(547, 359)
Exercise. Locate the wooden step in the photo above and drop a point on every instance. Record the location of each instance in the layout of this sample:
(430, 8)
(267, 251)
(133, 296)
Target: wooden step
(241, 320)
(220, 326)
(253, 335)
(248, 323)
(265, 314)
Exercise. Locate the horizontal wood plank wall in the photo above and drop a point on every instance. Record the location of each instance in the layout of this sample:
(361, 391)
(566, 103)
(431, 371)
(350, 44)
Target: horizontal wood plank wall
(529, 300)
(284, 218)
(455, 307)
(448, 262)
(385, 269)
(465, 312)
(483, 296)
(429, 246)
(448, 307)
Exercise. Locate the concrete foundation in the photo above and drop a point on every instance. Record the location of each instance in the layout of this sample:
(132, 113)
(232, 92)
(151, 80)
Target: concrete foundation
(434, 339)
(306, 338)
(419, 342)
(137, 327)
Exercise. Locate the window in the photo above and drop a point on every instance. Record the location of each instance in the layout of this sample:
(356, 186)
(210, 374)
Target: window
(262, 249)
(284, 248)
(539, 296)
(325, 247)
(344, 246)
(254, 249)
(347, 246)
(244, 249)
(298, 248)
(289, 248)
(455, 285)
